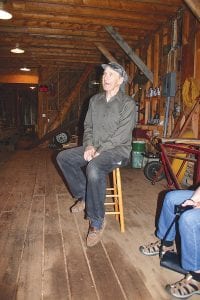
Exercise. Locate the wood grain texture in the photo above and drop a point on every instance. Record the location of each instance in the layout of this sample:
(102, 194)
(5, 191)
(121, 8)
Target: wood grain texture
(42, 245)
(63, 33)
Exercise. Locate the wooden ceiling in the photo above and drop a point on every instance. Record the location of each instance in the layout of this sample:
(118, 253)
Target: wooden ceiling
(67, 33)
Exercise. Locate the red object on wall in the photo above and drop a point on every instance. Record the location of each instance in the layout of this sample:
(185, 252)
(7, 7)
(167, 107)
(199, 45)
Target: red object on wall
(43, 88)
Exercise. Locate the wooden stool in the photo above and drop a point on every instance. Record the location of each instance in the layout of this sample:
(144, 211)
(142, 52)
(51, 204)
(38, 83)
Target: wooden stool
(115, 192)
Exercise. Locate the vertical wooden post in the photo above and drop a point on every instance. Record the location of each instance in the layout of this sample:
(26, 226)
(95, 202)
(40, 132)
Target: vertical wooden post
(149, 62)
(197, 56)
(131, 75)
(40, 125)
(186, 25)
(156, 60)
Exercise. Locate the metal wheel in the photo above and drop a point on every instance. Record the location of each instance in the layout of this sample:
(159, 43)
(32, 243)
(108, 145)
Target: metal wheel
(62, 137)
(151, 169)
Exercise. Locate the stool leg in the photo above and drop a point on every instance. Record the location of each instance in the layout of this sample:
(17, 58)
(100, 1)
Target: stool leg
(116, 195)
(121, 215)
(116, 200)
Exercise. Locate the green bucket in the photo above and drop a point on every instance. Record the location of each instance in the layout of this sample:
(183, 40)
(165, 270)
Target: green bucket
(138, 146)
(137, 160)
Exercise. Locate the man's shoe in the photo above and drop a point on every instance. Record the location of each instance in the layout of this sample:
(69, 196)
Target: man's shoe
(154, 249)
(184, 288)
(78, 206)
(94, 235)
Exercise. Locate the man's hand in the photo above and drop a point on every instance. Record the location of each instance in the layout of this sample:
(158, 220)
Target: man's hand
(191, 202)
(89, 153)
(194, 200)
(96, 154)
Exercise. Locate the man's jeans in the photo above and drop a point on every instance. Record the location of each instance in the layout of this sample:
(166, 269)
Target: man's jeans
(87, 180)
(188, 225)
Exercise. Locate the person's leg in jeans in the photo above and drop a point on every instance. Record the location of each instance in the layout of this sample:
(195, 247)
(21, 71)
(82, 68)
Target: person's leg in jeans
(167, 215)
(189, 228)
(71, 162)
(166, 218)
(96, 173)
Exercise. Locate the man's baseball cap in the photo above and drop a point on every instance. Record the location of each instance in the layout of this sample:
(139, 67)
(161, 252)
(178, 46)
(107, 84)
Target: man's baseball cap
(118, 68)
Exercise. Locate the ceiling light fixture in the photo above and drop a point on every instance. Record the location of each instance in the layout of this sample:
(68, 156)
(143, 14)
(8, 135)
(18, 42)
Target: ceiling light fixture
(25, 69)
(94, 82)
(17, 49)
(4, 15)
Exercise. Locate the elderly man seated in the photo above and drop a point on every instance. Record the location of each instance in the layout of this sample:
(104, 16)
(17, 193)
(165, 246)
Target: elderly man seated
(107, 141)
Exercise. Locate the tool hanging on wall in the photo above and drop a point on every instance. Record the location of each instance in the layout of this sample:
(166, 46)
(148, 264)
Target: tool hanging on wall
(169, 81)
(169, 90)
(171, 57)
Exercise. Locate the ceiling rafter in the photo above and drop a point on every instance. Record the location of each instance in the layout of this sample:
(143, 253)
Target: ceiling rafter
(59, 32)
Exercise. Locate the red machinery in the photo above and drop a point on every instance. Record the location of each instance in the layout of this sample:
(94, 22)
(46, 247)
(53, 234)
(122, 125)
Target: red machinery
(169, 151)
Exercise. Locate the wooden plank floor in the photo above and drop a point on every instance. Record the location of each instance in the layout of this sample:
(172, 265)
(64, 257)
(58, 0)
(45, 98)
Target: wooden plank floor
(42, 245)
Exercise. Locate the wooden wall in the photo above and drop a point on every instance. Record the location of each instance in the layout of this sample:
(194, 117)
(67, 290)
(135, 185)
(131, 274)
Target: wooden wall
(174, 48)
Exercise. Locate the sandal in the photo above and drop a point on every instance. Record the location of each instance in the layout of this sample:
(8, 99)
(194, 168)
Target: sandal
(154, 249)
(78, 206)
(184, 288)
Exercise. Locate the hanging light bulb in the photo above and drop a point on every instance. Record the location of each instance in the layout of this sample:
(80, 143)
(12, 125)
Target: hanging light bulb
(4, 15)
(94, 82)
(25, 69)
(17, 49)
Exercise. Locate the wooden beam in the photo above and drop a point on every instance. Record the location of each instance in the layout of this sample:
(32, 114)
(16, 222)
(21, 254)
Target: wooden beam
(149, 62)
(69, 101)
(186, 27)
(105, 52)
(194, 5)
(127, 49)
(181, 140)
(197, 57)
(18, 78)
(156, 59)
